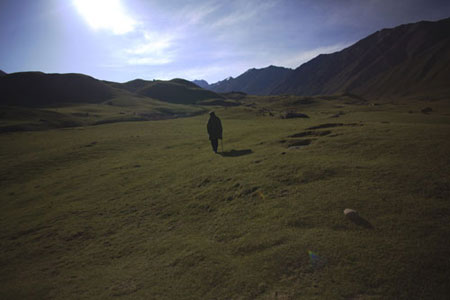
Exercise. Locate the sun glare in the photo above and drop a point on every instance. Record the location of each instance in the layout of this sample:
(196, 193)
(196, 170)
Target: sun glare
(105, 14)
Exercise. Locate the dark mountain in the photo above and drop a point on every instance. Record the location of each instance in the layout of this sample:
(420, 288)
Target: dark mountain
(201, 83)
(2, 73)
(254, 81)
(411, 59)
(36, 89)
(176, 91)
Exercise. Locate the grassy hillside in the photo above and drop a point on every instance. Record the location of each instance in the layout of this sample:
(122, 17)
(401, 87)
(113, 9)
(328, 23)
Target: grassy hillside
(38, 89)
(122, 108)
(145, 210)
(176, 91)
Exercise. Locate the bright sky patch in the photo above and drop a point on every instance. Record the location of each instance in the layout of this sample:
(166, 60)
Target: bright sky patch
(106, 14)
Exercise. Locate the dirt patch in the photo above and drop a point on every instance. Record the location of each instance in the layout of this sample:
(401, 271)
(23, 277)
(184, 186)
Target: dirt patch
(300, 143)
(341, 113)
(310, 133)
(331, 125)
(293, 115)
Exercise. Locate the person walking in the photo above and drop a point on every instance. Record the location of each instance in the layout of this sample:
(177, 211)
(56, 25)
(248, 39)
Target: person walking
(214, 130)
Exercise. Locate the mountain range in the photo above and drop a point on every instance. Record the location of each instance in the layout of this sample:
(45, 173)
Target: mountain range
(411, 59)
(405, 61)
(253, 81)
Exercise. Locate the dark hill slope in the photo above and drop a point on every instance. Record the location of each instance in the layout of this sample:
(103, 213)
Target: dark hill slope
(2, 73)
(130, 86)
(411, 59)
(36, 89)
(176, 91)
(253, 81)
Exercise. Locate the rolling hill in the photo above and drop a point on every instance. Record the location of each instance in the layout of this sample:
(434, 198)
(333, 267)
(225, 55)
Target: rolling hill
(254, 81)
(38, 89)
(41, 89)
(405, 61)
(39, 101)
(175, 91)
(2, 73)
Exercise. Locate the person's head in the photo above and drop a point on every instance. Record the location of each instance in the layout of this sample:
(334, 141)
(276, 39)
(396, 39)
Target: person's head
(212, 114)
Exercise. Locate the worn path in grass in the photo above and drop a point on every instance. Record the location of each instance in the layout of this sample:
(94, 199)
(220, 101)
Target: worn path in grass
(146, 210)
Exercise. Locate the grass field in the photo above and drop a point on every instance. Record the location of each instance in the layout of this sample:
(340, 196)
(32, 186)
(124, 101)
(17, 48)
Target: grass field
(119, 109)
(145, 210)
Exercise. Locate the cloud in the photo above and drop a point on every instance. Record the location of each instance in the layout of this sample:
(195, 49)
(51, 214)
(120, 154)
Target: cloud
(199, 14)
(242, 12)
(152, 49)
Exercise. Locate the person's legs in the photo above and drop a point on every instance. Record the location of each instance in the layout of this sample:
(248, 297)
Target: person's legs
(214, 144)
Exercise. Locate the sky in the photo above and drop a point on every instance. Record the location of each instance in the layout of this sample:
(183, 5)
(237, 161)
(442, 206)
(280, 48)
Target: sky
(121, 40)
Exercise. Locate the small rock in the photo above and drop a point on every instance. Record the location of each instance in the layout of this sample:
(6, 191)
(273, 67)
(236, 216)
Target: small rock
(348, 211)
(353, 216)
(427, 110)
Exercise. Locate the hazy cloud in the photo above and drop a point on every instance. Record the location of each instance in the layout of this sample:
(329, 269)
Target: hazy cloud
(152, 49)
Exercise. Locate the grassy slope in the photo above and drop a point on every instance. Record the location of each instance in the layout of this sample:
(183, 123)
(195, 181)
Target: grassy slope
(176, 91)
(121, 108)
(145, 210)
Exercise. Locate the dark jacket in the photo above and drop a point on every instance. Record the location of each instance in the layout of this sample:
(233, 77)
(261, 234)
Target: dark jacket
(214, 127)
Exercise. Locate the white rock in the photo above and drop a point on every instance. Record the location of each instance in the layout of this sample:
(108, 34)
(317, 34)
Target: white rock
(349, 211)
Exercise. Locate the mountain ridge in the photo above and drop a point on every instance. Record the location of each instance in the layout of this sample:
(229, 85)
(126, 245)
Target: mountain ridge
(253, 81)
(401, 61)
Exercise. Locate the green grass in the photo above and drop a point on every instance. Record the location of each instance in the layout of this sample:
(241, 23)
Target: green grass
(119, 109)
(145, 210)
